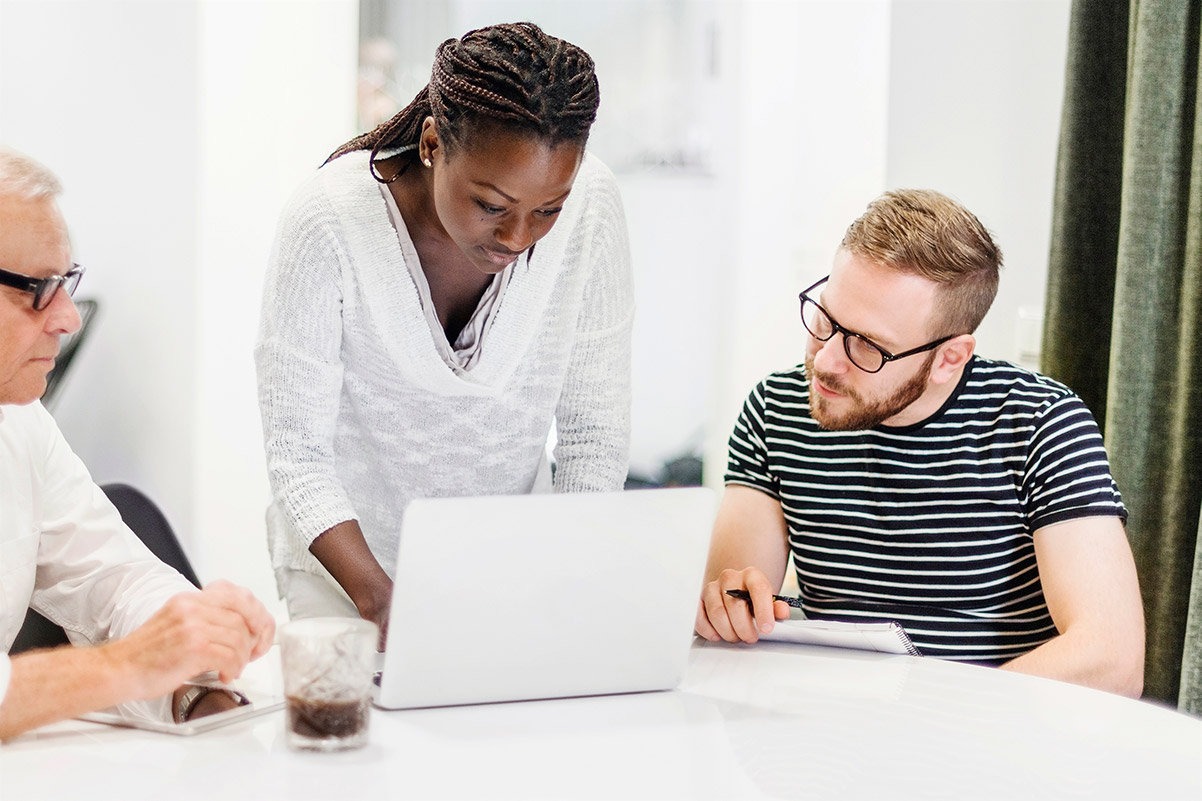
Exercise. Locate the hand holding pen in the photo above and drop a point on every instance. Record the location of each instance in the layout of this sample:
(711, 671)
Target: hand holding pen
(744, 595)
(738, 606)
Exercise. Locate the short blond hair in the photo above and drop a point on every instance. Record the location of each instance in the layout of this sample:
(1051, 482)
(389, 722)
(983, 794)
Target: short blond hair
(926, 233)
(25, 177)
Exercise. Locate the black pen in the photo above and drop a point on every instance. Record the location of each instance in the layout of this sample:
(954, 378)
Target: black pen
(743, 595)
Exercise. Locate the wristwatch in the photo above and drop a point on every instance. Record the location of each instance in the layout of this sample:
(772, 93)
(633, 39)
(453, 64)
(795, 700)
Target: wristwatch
(191, 697)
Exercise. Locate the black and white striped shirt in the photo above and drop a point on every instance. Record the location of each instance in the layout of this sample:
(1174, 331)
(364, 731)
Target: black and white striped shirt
(930, 525)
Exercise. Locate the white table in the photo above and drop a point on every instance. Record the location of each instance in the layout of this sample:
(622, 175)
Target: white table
(765, 721)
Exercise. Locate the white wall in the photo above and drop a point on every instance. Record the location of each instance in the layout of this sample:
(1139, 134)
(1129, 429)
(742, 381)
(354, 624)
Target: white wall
(975, 90)
(809, 151)
(104, 94)
(179, 129)
(277, 95)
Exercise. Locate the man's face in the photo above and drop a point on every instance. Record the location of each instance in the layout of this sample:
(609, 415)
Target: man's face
(33, 242)
(891, 308)
(500, 193)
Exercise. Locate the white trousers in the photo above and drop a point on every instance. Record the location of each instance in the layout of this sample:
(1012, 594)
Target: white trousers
(309, 595)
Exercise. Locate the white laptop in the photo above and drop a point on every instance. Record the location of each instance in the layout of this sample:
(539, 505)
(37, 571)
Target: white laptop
(544, 596)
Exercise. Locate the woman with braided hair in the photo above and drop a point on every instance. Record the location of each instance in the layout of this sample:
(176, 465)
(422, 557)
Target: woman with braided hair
(442, 291)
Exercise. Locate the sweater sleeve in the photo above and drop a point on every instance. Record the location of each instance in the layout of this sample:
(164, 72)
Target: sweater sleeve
(299, 367)
(593, 413)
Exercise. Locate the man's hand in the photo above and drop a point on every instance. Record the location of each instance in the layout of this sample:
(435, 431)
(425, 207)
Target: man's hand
(220, 628)
(723, 617)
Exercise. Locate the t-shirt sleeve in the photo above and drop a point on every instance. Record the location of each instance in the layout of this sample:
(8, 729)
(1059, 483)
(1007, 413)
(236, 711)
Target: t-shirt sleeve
(747, 462)
(1067, 471)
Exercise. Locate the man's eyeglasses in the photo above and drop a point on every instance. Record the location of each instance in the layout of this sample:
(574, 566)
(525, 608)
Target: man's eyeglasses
(861, 351)
(43, 289)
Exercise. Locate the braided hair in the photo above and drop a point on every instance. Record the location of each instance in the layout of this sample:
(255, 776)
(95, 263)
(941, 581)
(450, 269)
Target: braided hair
(512, 75)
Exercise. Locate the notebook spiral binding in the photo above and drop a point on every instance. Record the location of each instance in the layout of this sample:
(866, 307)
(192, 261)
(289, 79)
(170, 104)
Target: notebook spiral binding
(904, 636)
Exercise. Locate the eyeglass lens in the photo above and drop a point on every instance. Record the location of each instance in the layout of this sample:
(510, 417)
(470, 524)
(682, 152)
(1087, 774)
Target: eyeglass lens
(861, 352)
(50, 287)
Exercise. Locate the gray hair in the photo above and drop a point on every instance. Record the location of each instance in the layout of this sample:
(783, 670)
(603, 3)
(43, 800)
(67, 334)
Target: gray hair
(25, 177)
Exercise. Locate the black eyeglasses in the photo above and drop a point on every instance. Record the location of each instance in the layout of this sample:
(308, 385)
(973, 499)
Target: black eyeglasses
(861, 351)
(43, 289)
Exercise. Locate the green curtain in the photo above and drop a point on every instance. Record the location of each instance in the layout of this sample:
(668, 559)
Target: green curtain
(1191, 663)
(1123, 319)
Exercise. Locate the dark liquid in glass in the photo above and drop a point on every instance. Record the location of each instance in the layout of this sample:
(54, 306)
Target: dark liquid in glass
(320, 719)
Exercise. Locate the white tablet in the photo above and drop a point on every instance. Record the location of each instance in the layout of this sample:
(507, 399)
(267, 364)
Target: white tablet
(134, 715)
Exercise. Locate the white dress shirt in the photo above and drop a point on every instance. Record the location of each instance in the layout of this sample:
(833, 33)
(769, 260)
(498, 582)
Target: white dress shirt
(64, 549)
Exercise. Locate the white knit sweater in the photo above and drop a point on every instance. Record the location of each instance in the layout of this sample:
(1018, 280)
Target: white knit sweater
(360, 412)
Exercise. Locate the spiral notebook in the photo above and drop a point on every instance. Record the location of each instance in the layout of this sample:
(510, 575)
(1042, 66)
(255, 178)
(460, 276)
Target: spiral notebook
(886, 637)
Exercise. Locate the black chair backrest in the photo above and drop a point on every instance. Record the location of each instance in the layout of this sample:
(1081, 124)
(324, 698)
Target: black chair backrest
(148, 522)
(68, 347)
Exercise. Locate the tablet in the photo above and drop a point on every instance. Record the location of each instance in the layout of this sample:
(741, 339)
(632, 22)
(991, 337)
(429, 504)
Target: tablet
(132, 715)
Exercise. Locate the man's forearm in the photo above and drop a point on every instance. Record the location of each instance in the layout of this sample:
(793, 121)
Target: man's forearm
(54, 684)
(1086, 658)
(1092, 591)
(749, 532)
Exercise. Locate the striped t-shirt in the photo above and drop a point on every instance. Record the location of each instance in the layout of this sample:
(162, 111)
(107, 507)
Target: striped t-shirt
(931, 524)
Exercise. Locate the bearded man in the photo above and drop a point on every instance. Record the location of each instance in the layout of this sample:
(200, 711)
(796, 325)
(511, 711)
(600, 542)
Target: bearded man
(911, 480)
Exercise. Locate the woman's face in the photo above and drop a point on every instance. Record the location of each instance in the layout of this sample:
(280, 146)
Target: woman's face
(499, 192)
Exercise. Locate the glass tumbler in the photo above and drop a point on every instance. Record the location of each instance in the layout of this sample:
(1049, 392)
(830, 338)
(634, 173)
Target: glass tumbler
(328, 665)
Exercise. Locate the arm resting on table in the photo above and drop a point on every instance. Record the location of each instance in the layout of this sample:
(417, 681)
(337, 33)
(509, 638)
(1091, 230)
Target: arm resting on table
(1092, 592)
(220, 628)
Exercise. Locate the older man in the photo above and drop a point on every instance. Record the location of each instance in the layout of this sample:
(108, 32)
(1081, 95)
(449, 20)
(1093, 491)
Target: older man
(911, 480)
(63, 547)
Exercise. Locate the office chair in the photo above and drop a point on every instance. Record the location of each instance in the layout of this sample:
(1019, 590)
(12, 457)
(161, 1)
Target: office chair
(148, 522)
(68, 347)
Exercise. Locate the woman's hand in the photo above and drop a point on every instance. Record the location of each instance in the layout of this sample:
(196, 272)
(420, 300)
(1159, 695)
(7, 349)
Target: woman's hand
(374, 606)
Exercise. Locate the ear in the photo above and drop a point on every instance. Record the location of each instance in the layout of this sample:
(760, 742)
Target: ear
(951, 357)
(427, 141)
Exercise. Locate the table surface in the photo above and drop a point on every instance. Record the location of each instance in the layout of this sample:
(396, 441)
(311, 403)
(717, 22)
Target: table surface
(773, 720)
